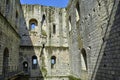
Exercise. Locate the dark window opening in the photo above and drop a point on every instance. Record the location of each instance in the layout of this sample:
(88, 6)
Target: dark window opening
(16, 16)
(77, 11)
(84, 56)
(34, 62)
(43, 17)
(5, 61)
(25, 66)
(78, 8)
(54, 28)
(53, 61)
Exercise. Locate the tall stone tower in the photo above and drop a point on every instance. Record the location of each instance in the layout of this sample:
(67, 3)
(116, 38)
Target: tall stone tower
(44, 43)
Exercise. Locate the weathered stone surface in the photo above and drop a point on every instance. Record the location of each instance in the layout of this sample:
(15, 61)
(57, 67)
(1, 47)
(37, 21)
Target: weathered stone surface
(45, 19)
(99, 32)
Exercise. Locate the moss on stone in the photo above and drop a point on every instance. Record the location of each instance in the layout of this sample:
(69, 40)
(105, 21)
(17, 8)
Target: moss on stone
(43, 33)
(73, 78)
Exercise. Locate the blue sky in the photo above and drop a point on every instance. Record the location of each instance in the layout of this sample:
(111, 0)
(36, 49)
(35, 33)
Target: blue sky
(56, 3)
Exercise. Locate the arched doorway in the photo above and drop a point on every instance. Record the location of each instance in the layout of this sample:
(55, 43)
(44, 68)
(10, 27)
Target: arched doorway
(25, 66)
(83, 59)
(5, 61)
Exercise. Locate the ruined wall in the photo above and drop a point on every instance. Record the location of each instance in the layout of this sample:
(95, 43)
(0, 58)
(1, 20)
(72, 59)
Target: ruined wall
(74, 51)
(10, 21)
(49, 22)
(99, 32)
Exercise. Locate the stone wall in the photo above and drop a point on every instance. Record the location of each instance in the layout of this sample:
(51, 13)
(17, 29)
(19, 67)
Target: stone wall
(49, 22)
(98, 37)
(11, 19)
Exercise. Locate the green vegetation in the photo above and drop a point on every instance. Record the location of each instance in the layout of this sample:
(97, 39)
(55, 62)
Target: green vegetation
(73, 78)
(43, 33)
(43, 69)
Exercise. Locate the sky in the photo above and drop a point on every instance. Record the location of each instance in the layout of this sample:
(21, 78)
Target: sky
(55, 3)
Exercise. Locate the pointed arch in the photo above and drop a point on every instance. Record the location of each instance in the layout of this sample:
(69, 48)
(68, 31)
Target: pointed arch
(5, 61)
(84, 59)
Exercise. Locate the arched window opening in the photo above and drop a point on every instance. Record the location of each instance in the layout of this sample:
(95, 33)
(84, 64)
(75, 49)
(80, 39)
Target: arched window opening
(25, 66)
(70, 23)
(53, 61)
(43, 19)
(34, 62)
(54, 28)
(77, 11)
(43, 16)
(32, 24)
(5, 61)
(84, 59)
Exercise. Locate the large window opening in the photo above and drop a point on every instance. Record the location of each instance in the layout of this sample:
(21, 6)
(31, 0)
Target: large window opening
(34, 62)
(83, 59)
(53, 61)
(25, 66)
(5, 61)
(33, 23)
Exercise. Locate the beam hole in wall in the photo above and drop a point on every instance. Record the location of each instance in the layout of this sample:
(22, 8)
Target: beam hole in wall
(99, 4)
(93, 9)
(105, 65)
(104, 54)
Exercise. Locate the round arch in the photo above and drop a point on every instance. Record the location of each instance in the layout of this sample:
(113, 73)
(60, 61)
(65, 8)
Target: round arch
(33, 23)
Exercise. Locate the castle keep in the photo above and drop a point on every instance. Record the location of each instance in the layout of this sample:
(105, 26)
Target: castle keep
(79, 42)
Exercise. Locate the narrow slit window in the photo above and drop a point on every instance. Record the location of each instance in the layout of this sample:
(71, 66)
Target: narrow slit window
(54, 28)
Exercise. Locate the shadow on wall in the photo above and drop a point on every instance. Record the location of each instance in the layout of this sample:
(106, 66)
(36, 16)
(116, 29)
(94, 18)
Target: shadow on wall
(30, 59)
(108, 65)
